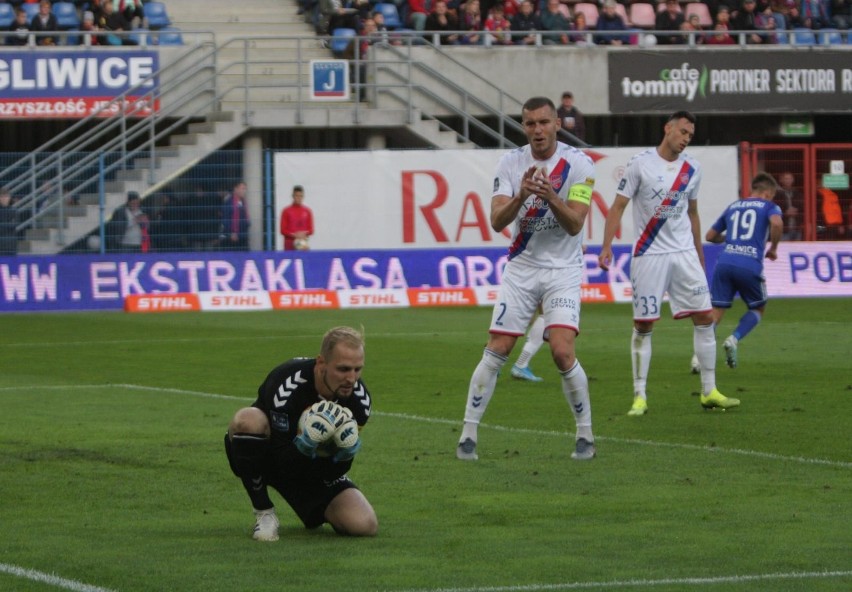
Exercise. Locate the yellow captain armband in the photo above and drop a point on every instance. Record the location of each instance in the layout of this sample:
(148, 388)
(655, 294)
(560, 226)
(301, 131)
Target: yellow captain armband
(580, 192)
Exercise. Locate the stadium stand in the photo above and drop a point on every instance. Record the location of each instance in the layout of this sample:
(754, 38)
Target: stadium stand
(7, 16)
(803, 36)
(391, 14)
(590, 10)
(156, 15)
(642, 15)
(704, 17)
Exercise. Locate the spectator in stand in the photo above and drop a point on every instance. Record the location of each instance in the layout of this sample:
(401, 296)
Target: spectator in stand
(499, 26)
(20, 27)
(297, 222)
(580, 32)
(114, 24)
(721, 35)
(841, 14)
(815, 13)
(127, 229)
(610, 21)
(526, 21)
(440, 20)
(89, 30)
(794, 17)
(44, 22)
(770, 37)
(132, 11)
(670, 19)
(570, 118)
(235, 221)
(693, 25)
(511, 8)
(749, 20)
(340, 15)
(471, 23)
(553, 20)
(417, 14)
(779, 9)
(8, 224)
(792, 204)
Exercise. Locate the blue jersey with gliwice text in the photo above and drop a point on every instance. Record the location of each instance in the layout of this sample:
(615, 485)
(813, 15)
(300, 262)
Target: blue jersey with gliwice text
(746, 227)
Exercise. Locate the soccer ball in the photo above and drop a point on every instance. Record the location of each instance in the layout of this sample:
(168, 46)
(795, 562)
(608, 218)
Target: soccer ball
(301, 244)
(318, 425)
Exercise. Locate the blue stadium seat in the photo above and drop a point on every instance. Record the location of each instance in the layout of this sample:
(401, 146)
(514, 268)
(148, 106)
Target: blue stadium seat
(31, 10)
(7, 16)
(831, 37)
(391, 14)
(803, 36)
(66, 16)
(167, 36)
(156, 15)
(340, 39)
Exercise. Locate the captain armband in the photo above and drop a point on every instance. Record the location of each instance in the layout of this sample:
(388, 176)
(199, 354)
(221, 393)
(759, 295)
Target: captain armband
(581, 193)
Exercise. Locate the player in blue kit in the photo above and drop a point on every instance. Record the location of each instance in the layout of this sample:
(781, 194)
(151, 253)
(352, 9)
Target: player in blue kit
(744, 227)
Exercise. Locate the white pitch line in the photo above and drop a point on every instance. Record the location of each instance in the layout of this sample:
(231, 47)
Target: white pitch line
(406, 416)
(612, 585)
(49, 579)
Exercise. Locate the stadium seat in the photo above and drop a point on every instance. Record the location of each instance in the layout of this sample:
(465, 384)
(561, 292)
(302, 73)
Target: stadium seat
(565, 11)
(7, 16)
(622, 12)
(340, 39)
(699, 8)
(391, 14)
(156, 15)
(642, 15)
(66, 16)
(803, 36)
(830, 37)
(591, 12)
(31, 10)
(166, 36)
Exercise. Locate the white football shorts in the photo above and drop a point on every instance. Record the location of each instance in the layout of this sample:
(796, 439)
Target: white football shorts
(524, 288)
(680, 274)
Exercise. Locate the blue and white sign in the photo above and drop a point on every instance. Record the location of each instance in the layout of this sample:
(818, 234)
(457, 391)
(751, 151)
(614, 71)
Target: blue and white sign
(329, 80)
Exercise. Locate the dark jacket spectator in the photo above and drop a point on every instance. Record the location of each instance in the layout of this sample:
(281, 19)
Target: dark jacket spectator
(525, 21)
(45, 21)
(610, 21)
(20, 27)
(671, 19)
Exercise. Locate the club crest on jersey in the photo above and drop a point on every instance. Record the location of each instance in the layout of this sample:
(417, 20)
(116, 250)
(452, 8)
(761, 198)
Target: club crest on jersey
(556, 182)
(684, 178)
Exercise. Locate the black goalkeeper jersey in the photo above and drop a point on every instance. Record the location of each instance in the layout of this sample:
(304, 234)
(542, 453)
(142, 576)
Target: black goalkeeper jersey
(287, 391)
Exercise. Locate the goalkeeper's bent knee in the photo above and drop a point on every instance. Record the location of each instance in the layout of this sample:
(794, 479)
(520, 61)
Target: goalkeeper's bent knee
(245, 452)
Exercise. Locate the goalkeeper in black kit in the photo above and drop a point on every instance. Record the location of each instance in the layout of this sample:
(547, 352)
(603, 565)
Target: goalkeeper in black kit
(300, 437)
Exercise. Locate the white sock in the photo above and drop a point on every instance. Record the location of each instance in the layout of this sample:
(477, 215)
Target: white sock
(704, 344)
(535, 339)
(640, 356)
(482, 385)
(575, 386)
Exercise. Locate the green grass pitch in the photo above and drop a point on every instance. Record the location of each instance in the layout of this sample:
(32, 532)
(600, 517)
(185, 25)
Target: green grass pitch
(113, 477)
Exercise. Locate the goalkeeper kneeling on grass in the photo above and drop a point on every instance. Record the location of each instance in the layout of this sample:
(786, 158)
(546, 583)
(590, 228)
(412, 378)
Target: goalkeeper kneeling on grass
(300, 437)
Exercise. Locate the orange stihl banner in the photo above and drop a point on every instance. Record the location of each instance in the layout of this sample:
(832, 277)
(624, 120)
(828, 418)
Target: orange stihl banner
(331, 299)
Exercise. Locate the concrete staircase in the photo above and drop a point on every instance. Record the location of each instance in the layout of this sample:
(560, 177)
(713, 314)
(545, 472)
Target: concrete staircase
(62, 227)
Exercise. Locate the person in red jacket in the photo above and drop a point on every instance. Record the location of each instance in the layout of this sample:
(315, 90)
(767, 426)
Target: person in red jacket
(297, 222)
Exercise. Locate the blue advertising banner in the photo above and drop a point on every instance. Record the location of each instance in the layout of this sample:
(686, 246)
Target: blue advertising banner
(75, 83)
(92, 282)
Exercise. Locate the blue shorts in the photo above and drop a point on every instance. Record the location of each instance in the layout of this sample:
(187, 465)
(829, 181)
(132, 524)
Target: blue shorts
(730, 279)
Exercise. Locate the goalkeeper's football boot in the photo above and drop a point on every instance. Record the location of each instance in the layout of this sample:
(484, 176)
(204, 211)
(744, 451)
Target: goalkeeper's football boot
(584, 450)
(525, 374)
(694, 366)
(640, 406)
(266, 525)
(466, 450)
(716, 400)
(730, 346)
